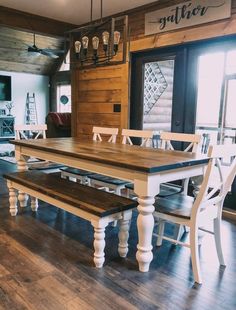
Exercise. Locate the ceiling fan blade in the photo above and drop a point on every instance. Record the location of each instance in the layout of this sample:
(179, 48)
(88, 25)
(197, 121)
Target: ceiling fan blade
(46, 53)
(33, 50)
(54, 51)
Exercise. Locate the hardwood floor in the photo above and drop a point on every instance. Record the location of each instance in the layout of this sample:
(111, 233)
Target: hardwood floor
(46, 262)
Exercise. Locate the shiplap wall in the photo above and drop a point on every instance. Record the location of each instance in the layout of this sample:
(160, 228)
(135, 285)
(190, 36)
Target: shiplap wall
(95, 91)
(98, 90)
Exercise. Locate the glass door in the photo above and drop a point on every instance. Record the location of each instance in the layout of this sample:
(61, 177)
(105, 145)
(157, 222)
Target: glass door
(157, 91)
(216, 97)
(158, 95)
(216, 104)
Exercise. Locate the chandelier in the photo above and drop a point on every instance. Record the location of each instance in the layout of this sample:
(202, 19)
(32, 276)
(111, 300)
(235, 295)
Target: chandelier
(103, 42)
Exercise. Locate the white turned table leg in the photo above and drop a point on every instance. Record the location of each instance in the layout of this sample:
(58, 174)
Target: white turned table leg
(145, 223)
(123, 235)
(12, 200)
(99, 243)
(34, 204)
(22, 197)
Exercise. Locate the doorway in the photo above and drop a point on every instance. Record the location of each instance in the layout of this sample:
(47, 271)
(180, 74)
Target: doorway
(158, 90)
(190, 89)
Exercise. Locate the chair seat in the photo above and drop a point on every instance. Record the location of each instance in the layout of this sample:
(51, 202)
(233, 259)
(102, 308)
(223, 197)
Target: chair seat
(75, 171)
(177, 205)
(108, 180)
(165, 189)
(42, 165)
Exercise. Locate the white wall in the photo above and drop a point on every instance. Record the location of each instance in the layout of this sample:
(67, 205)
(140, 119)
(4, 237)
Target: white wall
(32, 83)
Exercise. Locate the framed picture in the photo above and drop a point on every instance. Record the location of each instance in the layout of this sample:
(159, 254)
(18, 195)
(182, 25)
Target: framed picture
(5, 88)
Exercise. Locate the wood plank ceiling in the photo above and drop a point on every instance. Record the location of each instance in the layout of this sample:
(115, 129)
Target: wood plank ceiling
(15, 57)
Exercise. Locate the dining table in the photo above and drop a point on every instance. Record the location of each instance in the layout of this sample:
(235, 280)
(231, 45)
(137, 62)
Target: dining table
(146, 167)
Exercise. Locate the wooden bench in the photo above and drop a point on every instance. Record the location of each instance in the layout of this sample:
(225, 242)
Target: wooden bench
(98, 207)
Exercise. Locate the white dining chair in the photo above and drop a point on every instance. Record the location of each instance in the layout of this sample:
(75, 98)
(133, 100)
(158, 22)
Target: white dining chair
(193, 212)
(144, 135)
(30, 131)
(167, 139)
(35, 131)
(108, 134)
(113, 184)
(164, 140)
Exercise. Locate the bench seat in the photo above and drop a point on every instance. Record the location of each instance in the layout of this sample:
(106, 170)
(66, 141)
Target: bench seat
(99, 207)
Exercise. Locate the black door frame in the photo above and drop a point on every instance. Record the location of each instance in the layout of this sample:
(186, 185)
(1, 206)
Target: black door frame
(185, 80)
(137, 79)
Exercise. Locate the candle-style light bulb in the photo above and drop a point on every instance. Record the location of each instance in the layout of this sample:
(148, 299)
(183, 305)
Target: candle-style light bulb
(95, 43)
(85, 42)
(116, 40)
(105, 40)
(77, 48)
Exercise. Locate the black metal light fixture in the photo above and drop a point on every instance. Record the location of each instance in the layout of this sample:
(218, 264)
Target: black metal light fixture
(98, 43)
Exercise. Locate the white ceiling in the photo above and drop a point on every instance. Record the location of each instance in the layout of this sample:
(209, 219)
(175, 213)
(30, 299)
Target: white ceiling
(72, 11)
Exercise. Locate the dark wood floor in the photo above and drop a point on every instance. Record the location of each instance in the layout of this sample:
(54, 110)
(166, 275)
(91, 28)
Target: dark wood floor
(46, 263)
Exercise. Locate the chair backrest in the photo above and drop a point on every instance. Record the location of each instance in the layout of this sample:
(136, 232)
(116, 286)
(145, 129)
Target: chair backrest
(214, 195)
(145, 135)
(111, 132)
(30, 131)
(168, 137)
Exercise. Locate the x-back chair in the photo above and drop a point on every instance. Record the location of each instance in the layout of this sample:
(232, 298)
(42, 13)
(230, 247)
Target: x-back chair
(193, 212)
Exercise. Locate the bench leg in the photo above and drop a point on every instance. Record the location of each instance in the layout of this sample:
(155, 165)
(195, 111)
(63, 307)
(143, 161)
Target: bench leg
(124, 225)
(34, 204)
(99, 242)
(23, 198)
(13, 201)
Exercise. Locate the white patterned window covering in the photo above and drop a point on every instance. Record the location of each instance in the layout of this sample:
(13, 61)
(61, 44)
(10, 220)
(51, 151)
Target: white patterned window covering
(154, 85)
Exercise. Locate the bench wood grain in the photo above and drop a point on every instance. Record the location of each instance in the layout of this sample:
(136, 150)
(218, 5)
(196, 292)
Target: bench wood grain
(98, 207)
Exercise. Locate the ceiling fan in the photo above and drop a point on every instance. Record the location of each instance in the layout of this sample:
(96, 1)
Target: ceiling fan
(35, 50)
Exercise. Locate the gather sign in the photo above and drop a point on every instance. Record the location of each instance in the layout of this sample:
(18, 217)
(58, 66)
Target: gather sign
(186, 14)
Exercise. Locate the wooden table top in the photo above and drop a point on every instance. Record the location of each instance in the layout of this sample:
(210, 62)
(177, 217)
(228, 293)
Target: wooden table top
(119, 155)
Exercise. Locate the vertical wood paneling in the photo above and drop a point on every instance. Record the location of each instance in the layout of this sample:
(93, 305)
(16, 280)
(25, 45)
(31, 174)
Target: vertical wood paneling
(98, 89)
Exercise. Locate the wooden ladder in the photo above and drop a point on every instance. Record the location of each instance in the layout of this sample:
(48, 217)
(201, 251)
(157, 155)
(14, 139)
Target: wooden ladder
(31, 117)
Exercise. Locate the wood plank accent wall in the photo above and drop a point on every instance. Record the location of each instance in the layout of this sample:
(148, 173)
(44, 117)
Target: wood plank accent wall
(96, 90)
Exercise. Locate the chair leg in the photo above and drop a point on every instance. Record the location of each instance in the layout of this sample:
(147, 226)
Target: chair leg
(217, 235)
(84, 180)
(114, 224)
(161, 228)
(117, 192)
(178, 231)
(23, 198)
(185, 186)
(195, 254)
(34, 204)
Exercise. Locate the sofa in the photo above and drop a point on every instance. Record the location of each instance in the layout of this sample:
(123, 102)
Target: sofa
(58, 125)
